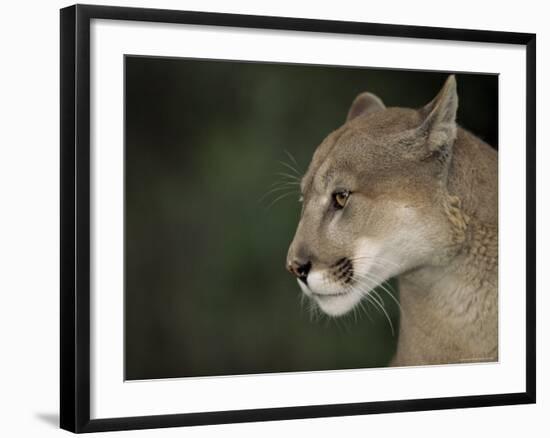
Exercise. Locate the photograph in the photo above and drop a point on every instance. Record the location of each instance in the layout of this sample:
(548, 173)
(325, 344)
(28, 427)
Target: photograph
(274, 219)
(284, 218)
(269, 217)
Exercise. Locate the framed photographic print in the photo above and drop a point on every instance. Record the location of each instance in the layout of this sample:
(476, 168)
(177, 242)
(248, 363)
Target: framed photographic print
(270, 218)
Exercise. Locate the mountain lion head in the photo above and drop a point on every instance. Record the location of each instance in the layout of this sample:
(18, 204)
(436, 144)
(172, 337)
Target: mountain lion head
(375, 200)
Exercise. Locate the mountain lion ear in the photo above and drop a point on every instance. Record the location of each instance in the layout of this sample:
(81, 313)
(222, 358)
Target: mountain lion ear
(365, 103)
(439, 125)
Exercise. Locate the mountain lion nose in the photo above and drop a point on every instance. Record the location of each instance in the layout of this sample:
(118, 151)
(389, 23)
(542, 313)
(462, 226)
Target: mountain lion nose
(299, 269)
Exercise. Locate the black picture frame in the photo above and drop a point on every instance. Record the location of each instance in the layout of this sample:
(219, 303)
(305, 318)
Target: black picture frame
(75, 217)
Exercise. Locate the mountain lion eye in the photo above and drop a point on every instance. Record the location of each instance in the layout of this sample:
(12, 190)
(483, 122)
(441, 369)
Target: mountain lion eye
(340, 199)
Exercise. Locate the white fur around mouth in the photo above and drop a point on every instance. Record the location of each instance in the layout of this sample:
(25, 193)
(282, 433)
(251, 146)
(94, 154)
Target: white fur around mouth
(333, 295)
(306, 289)
(333, 303)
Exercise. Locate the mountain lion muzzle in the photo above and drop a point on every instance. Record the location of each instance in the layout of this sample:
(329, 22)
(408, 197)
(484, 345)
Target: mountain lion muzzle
(406, 193)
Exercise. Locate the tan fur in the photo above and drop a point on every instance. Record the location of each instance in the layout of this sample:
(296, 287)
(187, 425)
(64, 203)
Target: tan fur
(451, 309)
(423, 206)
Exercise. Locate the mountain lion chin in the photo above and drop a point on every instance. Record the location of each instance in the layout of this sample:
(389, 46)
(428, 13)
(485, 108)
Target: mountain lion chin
(337, 304)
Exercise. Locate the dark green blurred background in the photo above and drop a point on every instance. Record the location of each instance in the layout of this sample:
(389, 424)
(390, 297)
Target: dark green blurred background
(206, 290)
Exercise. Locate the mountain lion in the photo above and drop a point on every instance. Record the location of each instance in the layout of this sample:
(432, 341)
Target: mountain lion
(398, 192)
